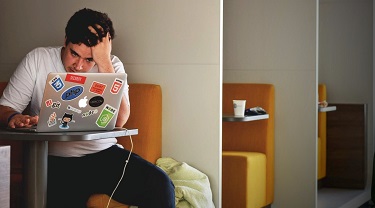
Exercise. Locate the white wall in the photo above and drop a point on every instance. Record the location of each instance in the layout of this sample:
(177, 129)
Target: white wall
(275, 42)
(172, 43)
(346, 59)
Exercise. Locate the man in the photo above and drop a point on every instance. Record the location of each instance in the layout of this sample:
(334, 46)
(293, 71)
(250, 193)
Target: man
(79, 169)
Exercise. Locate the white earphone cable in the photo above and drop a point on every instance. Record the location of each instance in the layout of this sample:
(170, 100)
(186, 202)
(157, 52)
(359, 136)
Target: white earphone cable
(123, 171)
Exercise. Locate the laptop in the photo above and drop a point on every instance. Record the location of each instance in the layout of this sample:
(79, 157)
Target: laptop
(80, 102)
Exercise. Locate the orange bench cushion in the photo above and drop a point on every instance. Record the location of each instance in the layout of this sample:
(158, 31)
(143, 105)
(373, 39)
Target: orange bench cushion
(241, 168)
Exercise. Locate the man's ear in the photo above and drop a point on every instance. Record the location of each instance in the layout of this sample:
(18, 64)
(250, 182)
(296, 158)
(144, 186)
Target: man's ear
(65, 41)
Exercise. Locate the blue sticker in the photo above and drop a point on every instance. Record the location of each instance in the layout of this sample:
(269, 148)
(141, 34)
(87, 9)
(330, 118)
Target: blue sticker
(57, 83)
(72, 93)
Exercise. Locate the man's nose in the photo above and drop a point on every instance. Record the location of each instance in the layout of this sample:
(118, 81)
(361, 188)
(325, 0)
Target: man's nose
(79, 64)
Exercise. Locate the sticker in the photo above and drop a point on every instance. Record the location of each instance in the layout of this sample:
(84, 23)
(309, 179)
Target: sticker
(116, 86)
(65, 120)
(50, 103)
(96, 101)
(57, 83)
(97, 88)
(69, 107)
(89, 113)
(82, 103)
(105, 116)
(72, 93)
(56, 104)
(75, 78)
(52, 120)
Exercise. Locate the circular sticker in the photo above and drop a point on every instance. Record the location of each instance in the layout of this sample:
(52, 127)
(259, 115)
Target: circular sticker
(96, 101)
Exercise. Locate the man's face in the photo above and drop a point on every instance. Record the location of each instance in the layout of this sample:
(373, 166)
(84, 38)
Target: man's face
(77, 58)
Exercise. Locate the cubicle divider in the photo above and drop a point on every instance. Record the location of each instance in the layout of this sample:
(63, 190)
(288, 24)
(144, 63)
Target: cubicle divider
(346, 147)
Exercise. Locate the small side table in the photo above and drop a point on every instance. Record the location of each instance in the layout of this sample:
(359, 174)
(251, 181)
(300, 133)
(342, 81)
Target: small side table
(232, 118)
(4, 176)
(327, 109)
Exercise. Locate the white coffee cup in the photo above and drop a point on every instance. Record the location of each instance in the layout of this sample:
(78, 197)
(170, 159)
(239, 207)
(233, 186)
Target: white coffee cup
(239, 107)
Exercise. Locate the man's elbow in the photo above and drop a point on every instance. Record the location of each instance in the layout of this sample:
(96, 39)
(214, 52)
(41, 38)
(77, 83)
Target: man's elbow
(122, 118)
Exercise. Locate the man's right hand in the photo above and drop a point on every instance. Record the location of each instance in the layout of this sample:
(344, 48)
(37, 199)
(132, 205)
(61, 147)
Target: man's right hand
(21, 120)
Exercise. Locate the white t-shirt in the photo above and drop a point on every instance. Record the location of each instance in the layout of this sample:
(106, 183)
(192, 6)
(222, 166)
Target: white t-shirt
(27, 86)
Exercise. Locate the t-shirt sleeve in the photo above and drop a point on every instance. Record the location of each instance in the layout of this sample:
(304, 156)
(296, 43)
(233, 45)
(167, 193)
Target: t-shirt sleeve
(18, 92)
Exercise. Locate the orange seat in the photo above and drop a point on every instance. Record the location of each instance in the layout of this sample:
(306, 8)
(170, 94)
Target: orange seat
(322, 134)
(252, 137)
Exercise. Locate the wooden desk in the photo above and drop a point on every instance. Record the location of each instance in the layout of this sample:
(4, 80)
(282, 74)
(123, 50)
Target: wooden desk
(36, 156)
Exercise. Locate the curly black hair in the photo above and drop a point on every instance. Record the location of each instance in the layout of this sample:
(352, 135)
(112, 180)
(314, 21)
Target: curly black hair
(77, 32)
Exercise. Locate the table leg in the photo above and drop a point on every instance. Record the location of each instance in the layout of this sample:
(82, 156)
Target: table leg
(36, 174)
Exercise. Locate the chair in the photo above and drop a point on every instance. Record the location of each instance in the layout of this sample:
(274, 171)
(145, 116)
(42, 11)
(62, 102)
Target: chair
(145, 115)
(322, 134)
(248, 149)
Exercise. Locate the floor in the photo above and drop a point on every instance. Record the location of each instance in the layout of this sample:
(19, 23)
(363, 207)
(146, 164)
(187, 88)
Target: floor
(340, 198)
(367, 205)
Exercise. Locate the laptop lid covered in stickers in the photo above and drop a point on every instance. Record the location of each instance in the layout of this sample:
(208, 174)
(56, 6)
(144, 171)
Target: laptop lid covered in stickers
(81, 101)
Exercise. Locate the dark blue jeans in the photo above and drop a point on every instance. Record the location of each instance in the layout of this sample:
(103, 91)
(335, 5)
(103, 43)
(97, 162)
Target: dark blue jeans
(72, 180)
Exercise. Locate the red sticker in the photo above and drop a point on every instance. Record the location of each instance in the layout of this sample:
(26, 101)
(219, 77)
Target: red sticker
(97, 88)
(117, 84)
(75, 78)
(48, 102)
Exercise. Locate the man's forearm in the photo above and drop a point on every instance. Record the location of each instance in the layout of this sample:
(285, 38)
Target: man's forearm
(5, 113)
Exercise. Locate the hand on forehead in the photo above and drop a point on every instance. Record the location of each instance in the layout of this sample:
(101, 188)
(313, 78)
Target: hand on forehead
(99, 32)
